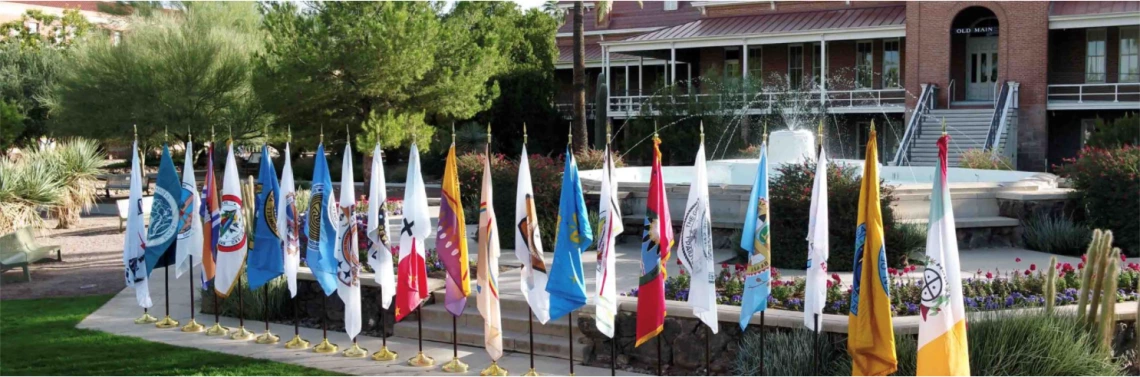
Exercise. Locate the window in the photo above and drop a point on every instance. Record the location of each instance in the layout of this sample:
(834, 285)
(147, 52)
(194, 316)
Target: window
(816, 64)
(1129, 63)
(795, 66)
(618, 87)
(732, 68)
(756, 65)
(670, 5)
(864, 60)
(891, 58)
(33, 26)
(1094, 55)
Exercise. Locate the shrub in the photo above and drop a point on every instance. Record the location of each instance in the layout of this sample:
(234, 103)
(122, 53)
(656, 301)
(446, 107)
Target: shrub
(26, 186)
(1118, 133)
(78, 162)
(982, 159)
(1034, 344)
(546, 178)
(254, 301)
(1055, 234)
(1108, 181)
(789, 353)
(791, 204)
(591, 159)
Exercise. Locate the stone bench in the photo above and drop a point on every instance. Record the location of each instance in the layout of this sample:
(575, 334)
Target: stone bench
(20, 249)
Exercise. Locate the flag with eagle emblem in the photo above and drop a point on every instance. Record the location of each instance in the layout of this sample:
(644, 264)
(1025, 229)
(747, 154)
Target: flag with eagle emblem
(165, 219)
(656, 240)
(288, 225)
(232, 237)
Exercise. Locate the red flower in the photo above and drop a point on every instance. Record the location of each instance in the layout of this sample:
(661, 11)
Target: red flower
(1026, 272)
(679, 261)
(1032, 267)
(830, 284)
(1123, 258)
(836, 278)
(740, 267)
(1080, 265)
(724, 265)
(989, 275)
(1061, 274)
(1085, 258)
(892, 271)
(1018, 260)
(682, 271)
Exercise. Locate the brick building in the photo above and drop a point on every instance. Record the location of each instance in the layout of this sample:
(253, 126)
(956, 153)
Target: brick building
(1021, 79)
(13, 11)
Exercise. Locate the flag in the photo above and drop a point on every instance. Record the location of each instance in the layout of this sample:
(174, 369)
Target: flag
(165, 221)
(870, 335)
(942, 346)
(134, 244)
(319, 250)
(755, 239)
(566, 285)
(288, 225)
(212, 215)
(232, 238)
(609, 211)
(696, 252)
(380, 254)
(487, 299)
(815, 286)
(656, 240)
(411, 281)
(266, 259)
(528, 246)
(189, 242)
(451, 240)
(347, 248)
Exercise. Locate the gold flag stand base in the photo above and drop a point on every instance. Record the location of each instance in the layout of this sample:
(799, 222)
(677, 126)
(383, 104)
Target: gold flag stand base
(217, 330)
(532, 373)
(421, 360)
(166, 323)
(193, 326)
(325, 347)
(355, 351)
(241, 334)
(268, 338)
(384, 355)
(297, 343)
(455, 366)
(495, 370)
(145, 319)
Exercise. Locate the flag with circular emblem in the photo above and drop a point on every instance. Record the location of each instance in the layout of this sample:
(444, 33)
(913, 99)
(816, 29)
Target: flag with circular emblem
(188, 251)
(319, 254)
(348, 248)
(411, 279)
(288, 225)
(165, 219)
(266, 259)
(134, 244)
(232, 240)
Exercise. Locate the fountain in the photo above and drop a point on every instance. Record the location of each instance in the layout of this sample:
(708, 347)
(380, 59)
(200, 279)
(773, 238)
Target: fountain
(790, 147)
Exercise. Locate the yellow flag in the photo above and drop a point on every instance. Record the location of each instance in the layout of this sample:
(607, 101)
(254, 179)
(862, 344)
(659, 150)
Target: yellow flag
(870, 334)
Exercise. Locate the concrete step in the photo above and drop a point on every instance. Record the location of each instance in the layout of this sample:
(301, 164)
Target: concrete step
(512, 320)
(973, 222)
(515, 341)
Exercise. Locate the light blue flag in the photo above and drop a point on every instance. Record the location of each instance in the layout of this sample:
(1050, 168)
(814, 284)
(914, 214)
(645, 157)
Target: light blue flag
(165, 220)
(567, 285)
(319, 253)
(756, 237)
(266, 258)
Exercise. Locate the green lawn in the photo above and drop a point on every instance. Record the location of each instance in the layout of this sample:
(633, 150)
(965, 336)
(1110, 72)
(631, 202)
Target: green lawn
(38, 337)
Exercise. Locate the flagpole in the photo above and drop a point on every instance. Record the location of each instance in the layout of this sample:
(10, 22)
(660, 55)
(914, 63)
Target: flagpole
(420, 360)
(325, 346)
(570, 332)
(166, 322)
(193, 326)
(268, 337)
(454, 366)
(297, 342)
(708, 360)
(530, 311)
(762, 330)
(217, 329)
(383, 354)
(241, 333)
(146, 317)
(815, 344)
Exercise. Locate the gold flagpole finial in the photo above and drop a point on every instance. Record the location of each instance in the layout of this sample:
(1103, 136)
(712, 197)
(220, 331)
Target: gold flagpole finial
(347, 133)
(944, 126)
(570, 133)
(189, 134)
(609, 127)
(289, 133)
(322, 137)
(488, 133)
(212, 134)
(136, 127)
(453, 132)
(655, 129)
(765, 135)
(524, 133)
(702, 131)
(819, 133)
(166, 134)
(872, 125)
(231, 139)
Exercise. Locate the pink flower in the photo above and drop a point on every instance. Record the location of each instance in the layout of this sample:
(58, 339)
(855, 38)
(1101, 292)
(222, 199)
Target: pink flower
(1080, 266)
(1085, 258)
(892, 271)
(1123, 258)
(679, 262)
(724, 265)
(1026, 272)
(1032, 267)
(830, 284)
(1061, 274)
(1018, 260)
(989, 275)
(836, 278)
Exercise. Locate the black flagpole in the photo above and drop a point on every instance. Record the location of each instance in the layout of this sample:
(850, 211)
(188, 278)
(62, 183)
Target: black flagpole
(815, 345)
(762, 343)
(296, 317)
(241, 305)
(265, 289)
(167, 289)
(325, 318)
(217, 309)
(420, 326)
(530, 321)
(191, 289)
(708, 362)
(383, 325)
(613, 350)
(658, 354)
(570, 332)
(454, 338)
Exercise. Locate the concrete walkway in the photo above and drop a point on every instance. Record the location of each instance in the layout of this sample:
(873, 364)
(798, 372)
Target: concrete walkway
(117, 316)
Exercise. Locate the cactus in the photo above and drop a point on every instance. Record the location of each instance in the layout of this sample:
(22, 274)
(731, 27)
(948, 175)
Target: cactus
(1096, 306)
(249, 195)
(1105, 259)
(1107, 325)
(1051, 286)
(1091, 256)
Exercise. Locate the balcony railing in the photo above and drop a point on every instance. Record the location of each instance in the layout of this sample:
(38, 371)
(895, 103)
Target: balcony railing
(567, 109)
(1110, 96)
(838, 101)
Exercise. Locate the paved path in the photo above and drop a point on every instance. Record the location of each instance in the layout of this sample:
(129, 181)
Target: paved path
(116, 317)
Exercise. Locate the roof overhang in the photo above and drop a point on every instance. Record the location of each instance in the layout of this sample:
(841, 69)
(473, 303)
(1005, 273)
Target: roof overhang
(614, 63)
(1094, 20)
(614, 31)
(894, 31)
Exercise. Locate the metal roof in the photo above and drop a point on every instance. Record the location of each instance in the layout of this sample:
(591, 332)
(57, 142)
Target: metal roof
(778, 23)
(1076, 8)
(593, 53)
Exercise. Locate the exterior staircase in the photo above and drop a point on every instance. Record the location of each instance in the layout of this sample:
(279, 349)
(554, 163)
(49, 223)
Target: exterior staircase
(968, 129)
(550, 339)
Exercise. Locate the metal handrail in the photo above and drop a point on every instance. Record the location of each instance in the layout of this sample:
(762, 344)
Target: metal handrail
(926, 101)
(632, 104)
(1010, 90)
(949, 93)
(1001, 105)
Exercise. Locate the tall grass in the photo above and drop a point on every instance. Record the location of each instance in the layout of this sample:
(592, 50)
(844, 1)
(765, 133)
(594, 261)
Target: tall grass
(1035, 344)
(26, 186)
(789, 353)
(1055, 234)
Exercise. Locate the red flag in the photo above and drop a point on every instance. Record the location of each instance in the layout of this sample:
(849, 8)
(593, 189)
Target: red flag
(411, 288)
(411, 278)
(656, 240)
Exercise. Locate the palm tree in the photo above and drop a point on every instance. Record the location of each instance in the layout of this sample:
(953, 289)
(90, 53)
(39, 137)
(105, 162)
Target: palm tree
(579, 79)
(551, 7)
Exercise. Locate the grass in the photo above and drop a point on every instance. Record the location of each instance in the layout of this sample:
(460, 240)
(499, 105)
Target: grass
(40, 338)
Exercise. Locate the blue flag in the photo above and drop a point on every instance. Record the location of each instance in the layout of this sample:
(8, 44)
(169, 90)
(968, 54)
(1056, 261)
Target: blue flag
(266, 260)
(567, 285)
(165, 220)
(758, 275)
(319, 254)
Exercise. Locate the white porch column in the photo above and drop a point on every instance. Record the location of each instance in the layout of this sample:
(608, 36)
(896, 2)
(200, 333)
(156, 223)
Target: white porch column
(744, 87)
(606, 70)
(672, 66)
(640, 69)
(822, 70)
(689, 68)
(626, 87)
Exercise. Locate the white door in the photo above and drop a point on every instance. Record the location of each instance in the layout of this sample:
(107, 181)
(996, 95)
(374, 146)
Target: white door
(981, 68)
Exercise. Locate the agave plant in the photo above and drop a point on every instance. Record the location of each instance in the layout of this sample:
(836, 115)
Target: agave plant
(77, 162)
(26, 186)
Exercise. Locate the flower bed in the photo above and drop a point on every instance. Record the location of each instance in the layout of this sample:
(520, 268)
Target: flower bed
(986, 290)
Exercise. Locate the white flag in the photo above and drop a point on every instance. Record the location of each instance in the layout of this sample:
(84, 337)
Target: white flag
(288, 226)
(696, 251)
(487, 270)
(528, 246)
(232, 236)
(815, 287)
(380, 256)
(411, 288)
(347, 248)
(134, 246)
(609, 211)
(190, 235)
